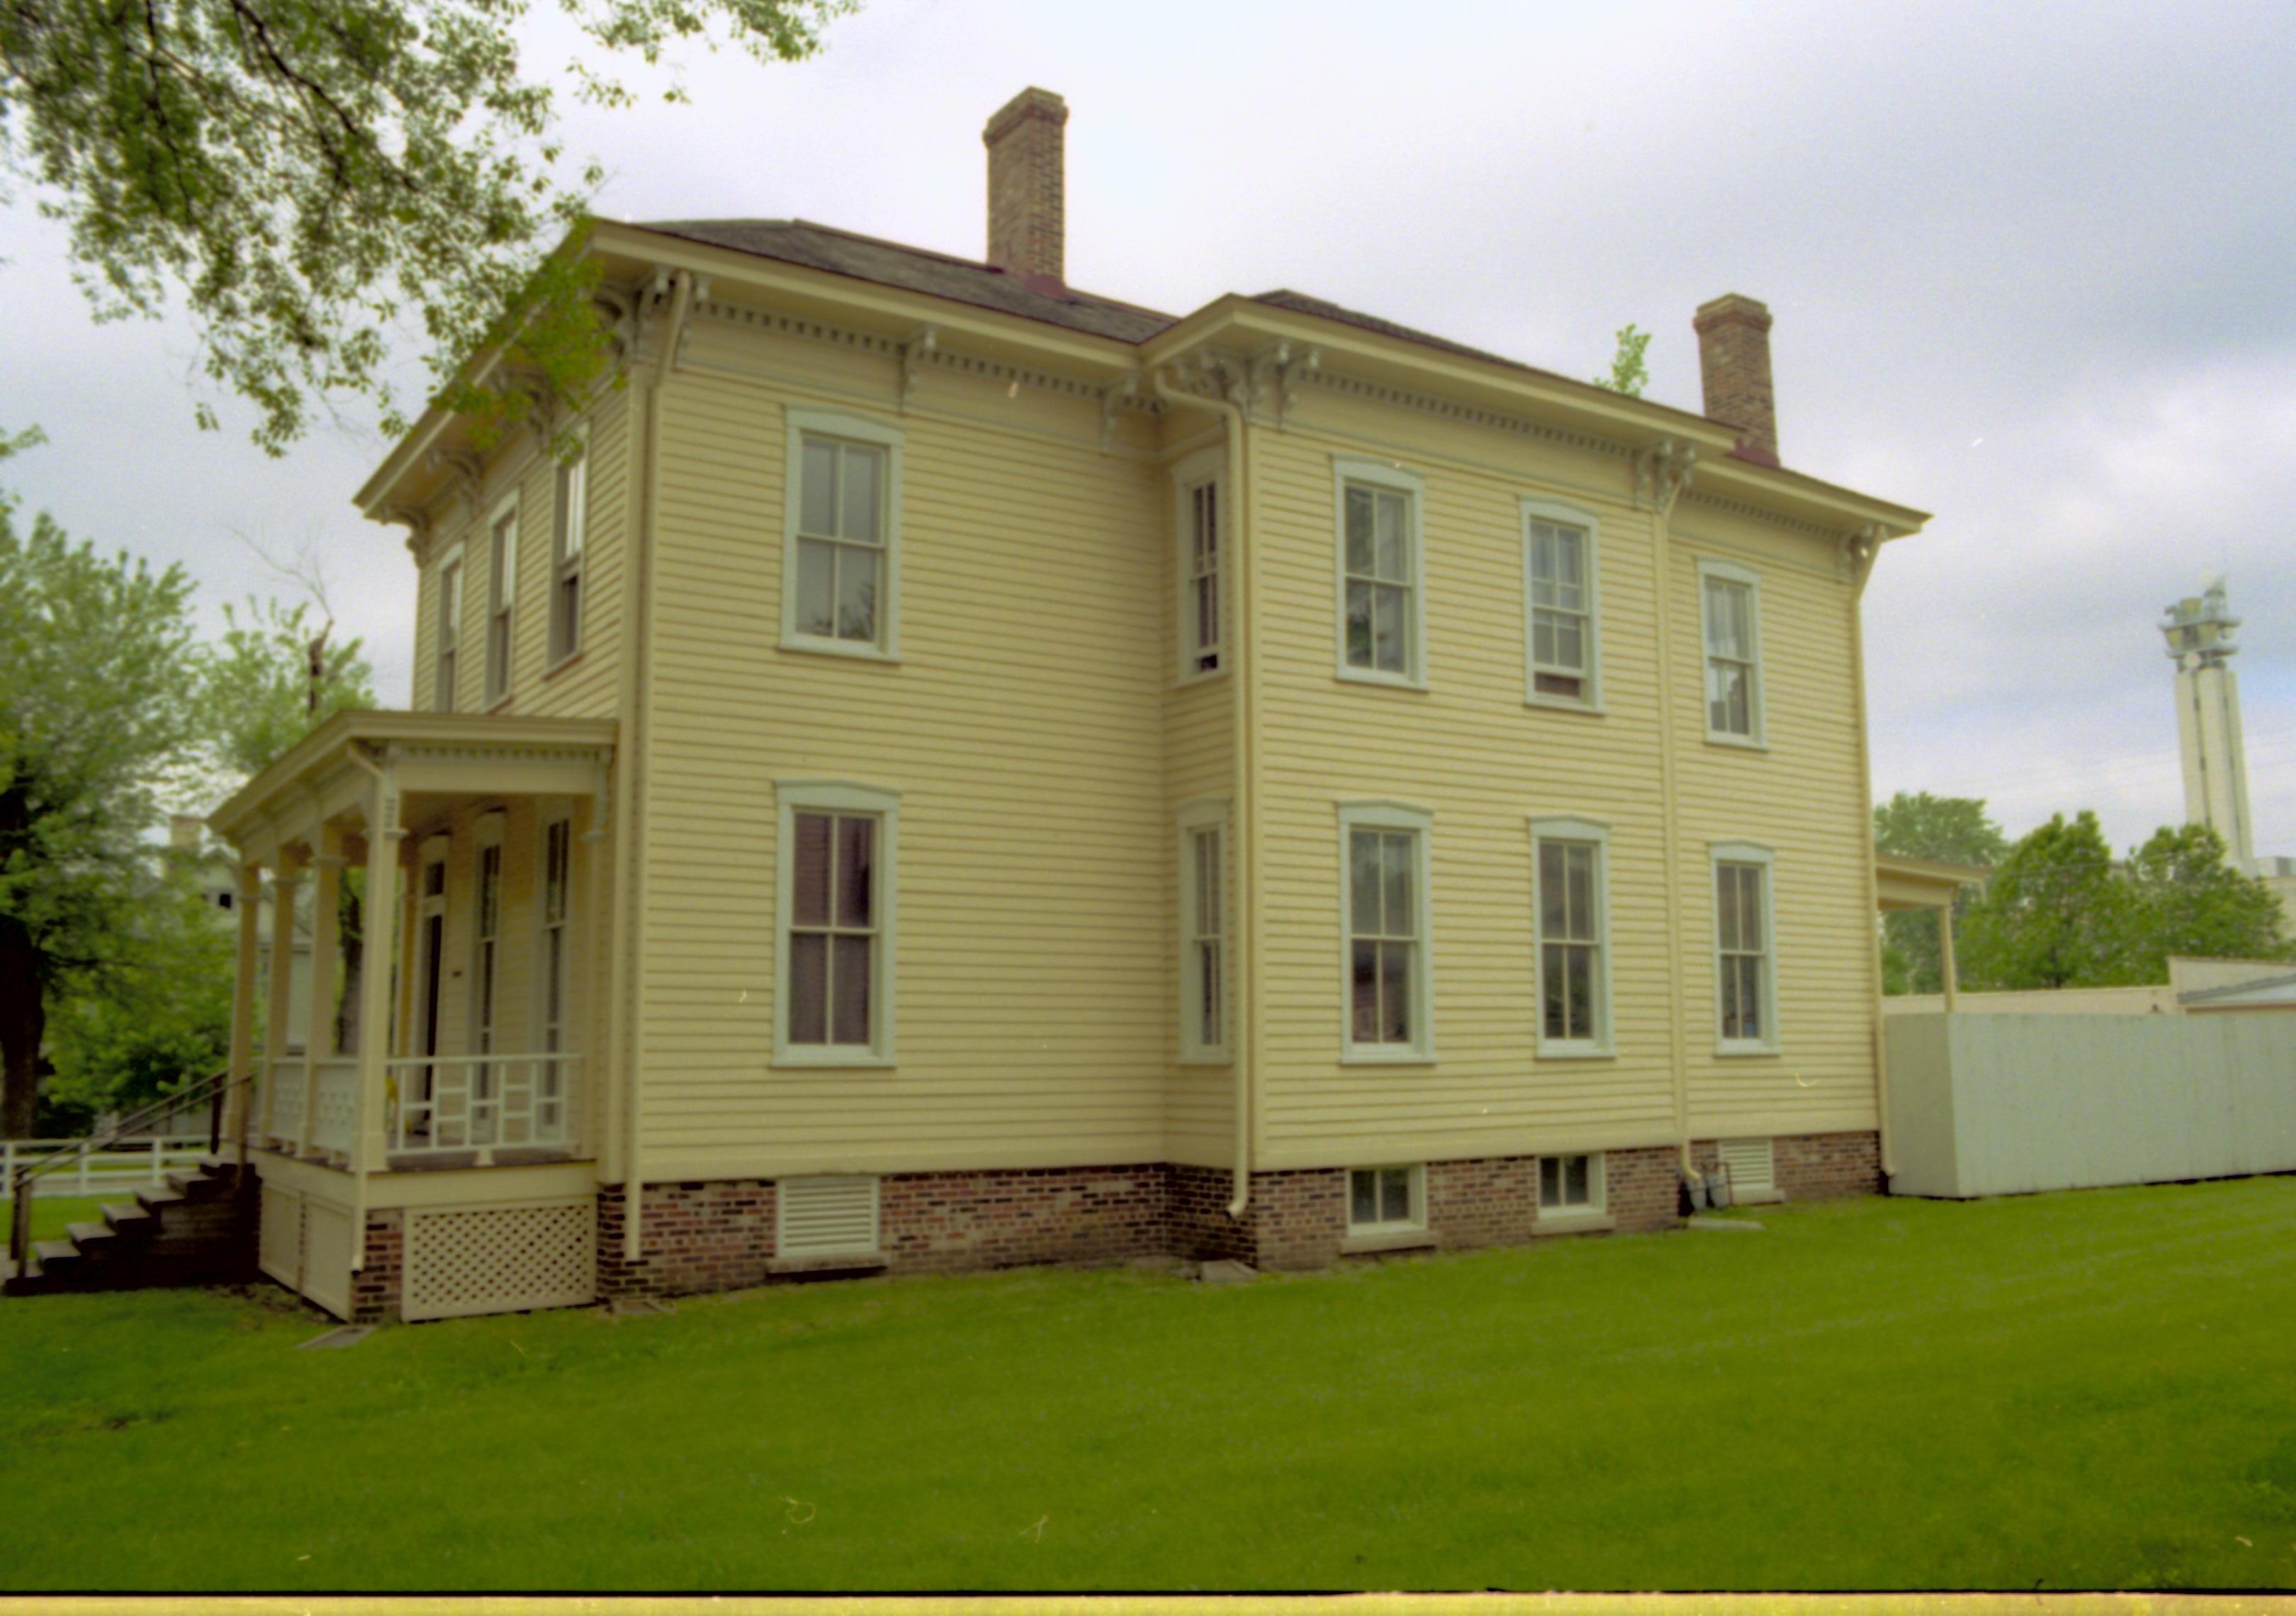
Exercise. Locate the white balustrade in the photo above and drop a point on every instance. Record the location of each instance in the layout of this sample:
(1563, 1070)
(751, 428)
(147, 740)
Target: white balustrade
(285, 1076)
(337, 1124)
(476, 1105)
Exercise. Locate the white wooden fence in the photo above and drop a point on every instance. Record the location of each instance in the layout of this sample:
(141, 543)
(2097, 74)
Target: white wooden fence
(1995, 1104)
(128, 1166)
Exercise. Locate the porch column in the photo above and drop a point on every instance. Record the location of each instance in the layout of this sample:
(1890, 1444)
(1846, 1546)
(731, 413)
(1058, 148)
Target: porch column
(1944, 953)
(326, 952)
(382, 839)
(285, 878)
(242, 1072)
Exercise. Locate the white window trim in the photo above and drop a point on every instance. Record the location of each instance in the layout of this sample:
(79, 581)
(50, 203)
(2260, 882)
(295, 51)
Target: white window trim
(558, 520)
(1385, 474)
(1556, 827)
(1720, 853)
(506, 507)
(1213, 815)
(835, 796)
(1205, 465)
(856, 429)
(1756, 705)
(1416, 1223)
(1389, 816)
(1528, 508)
(1597, 1208)
(451, 558)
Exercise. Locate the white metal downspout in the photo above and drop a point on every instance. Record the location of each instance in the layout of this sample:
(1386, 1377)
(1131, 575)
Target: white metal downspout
(1242, 815)
(1657, 470)
(636, 756)
(1861, 560)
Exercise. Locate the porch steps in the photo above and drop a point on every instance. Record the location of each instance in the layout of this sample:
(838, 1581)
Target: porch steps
(200, 1228)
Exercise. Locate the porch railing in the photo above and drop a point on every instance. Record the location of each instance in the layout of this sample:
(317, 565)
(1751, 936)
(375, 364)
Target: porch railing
(439, 1105)
(336, 1123)
(286, 1077)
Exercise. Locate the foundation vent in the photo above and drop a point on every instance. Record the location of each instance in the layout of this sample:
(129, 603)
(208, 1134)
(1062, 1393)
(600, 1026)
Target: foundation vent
(825, 1217)
(467, 1260)
(1749, 1164)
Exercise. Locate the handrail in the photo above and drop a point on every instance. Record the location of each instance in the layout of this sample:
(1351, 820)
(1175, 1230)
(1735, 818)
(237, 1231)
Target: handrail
(211, 1089)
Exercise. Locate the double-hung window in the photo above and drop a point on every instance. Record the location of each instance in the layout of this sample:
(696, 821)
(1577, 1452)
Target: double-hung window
(1573, 933)
(569, 522)
(1730, 608)
(1390, 989)
(1559, 583)
(502, 597)
(1203, 933)
(1381, 572)
(450, 631)
(1746, 985)
(1197, 501)
(841, 581)
(1570, 1187)
(835, 1003)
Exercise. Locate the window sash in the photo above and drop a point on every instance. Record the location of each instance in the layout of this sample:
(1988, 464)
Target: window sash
(1207, 980)
(1743, 949)
(841, 539)
(1566, 1183)
(1571, 940)
(1730, 656)
(573, 522)
(833, 929)
(1205, 639)
(502, 596)
(1559, 600)
(1383, 937)
(1377, 567)
(1382, 1197)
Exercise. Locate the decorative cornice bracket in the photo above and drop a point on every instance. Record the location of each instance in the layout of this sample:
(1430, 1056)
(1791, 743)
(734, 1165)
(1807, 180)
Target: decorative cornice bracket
(915, 352)
(1113, 399)
(1662, 470)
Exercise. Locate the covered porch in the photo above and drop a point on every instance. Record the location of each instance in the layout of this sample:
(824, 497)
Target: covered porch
(455, 865)
(1902, 883)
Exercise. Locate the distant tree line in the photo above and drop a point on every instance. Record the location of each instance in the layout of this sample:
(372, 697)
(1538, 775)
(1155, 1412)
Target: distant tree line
(2060, 911)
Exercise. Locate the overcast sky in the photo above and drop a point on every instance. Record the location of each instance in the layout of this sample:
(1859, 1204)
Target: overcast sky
(2033, 268)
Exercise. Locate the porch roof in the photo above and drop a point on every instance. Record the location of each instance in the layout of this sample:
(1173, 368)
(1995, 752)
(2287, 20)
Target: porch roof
(1904, 882)
(333, 767)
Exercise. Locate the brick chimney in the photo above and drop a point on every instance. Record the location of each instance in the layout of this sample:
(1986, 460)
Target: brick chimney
(1026, 187)
(1733, 359)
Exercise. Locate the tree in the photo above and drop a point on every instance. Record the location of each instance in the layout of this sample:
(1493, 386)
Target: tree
(2186, 900)
(315, 177)
(96, 668)
(2055, 914)
(1628, 374)
(1955, 830)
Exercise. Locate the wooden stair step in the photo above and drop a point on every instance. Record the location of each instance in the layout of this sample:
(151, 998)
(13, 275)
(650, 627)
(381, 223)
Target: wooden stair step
(86, 1234)
(126, 1217)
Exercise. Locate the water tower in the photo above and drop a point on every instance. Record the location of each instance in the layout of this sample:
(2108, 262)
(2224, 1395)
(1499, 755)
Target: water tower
(2199, 629)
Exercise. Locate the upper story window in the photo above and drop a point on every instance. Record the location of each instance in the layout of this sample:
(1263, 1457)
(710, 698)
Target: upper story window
(841, 581)
(1202, 608)
(1559, 585)
(1745, 976)
(1390, 989)
(1571, 930)
(835, 1006)
(450, 630)
(1203, 933)
(570, 518)
(501, 598)
(1381, 572)
(1731, 610)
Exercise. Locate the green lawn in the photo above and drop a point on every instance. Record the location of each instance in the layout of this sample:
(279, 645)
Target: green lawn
(2089, 1390)
(51, 1213)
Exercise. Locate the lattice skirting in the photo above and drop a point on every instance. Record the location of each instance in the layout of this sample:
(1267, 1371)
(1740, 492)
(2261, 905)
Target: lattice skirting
(461, 1260)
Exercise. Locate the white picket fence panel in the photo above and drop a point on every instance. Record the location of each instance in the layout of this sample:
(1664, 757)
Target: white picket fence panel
(129, 1165)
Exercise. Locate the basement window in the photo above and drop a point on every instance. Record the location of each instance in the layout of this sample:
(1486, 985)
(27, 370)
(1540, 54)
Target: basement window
(1386, 1200)
(1570, 1187)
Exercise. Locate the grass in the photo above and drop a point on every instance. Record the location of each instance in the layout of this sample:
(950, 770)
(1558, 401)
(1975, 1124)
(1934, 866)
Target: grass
(2093, 1390)
(51, 1213)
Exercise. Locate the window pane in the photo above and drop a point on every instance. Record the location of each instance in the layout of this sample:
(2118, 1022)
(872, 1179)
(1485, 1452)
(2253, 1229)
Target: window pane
(808, 989)
(1580, 861)
(1358, 504)
(855, 955)
(1551, 986)
(856, 874)
(809, 870)
(1553, 892)
(1542, 638)
(1750, 995)
(1387, 628)
(1395, 992)
(1207, 992)
(1725, 900)
(1579, 1005)
(1570, 644)
(1362, 1196)
(1364, 881)
(1359, 641)
(816, 571)
(1750, 908)
(857, 504)
(1575, 1169)
(1398, 915)
(1364, 992)
(1395, 1195)
(857, 593)
(1550, 1181)
(1208, 610)
(571, 512)
(1569, 549)
(1392, 541)
(817, 499)
(1208, 883)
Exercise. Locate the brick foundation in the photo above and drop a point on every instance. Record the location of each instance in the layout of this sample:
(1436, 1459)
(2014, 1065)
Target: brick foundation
(719, 1235)
(376, 1288)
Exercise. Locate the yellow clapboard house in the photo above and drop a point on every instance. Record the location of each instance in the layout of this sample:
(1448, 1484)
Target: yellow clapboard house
(959, 771)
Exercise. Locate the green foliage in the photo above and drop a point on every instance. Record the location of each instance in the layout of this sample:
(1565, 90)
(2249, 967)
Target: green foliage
(1628, 374)
(320, 179)
(1955, 830)
(274, 677)
(2188, 900)
(2055, 914)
